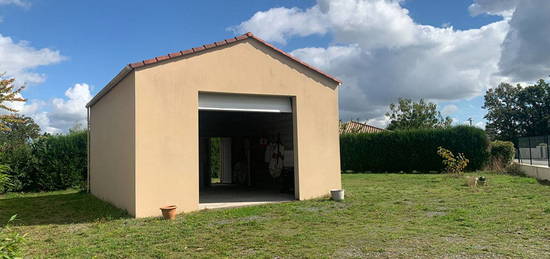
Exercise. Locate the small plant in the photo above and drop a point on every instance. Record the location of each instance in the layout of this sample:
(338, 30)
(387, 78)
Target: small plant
(454, 165)
(10, 241)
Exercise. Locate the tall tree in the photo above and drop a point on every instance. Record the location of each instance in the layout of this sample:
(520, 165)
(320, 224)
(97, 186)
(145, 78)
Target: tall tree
(407, 114)
(8, 93)
(21, 131)
(516, 111)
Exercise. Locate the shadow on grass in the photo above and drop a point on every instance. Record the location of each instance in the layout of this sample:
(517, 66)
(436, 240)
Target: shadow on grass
(59, 208)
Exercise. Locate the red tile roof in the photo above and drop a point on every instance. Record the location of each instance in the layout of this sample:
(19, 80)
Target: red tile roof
(130, 67)
(358, 127)
(224, 42)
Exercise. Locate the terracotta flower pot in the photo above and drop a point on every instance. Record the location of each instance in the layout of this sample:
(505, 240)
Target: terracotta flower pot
(169, 212)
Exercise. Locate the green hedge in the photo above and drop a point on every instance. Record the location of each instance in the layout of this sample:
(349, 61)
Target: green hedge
(20, 162)
(412, 150)
(502, 152)
(51, 162)
(59, 162)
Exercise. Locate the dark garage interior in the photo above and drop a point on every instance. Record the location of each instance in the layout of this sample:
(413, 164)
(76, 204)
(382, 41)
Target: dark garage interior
(245, 158)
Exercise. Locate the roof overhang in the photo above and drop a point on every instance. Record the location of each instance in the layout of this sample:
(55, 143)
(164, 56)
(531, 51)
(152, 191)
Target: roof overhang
(121, 75)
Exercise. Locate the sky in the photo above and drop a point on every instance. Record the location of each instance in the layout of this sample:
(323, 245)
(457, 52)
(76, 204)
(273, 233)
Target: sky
(448, 52)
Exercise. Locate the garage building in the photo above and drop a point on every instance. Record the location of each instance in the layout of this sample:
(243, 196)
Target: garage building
(264, 121)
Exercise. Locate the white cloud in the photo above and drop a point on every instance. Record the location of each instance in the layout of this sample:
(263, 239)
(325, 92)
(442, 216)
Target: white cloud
(20, 3)
(525, 54)
(380, 122)
(371, 24)
(18, 59)
(494, 7)
(480, 124)
(449, 109)
(381, 53)
(24, 107)
(71, 110)
(383, 21)
(379, 63)
(42, 119)
(284, 23)
(59, 114)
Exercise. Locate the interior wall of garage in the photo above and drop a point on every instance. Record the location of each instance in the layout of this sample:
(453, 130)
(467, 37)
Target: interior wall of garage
(251, 126)
(166, 118)
(112, 146)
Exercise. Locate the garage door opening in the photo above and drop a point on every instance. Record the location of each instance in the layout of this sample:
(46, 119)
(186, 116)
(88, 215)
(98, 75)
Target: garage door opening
(245, 157)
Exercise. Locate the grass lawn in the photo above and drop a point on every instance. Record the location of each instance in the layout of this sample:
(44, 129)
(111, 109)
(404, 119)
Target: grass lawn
(384, 215)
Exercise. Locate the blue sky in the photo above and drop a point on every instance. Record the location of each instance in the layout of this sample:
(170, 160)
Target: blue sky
(88, 42)
(100, 37)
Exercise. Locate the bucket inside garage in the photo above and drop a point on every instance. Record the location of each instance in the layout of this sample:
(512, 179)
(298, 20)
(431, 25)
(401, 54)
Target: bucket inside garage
(246, 150)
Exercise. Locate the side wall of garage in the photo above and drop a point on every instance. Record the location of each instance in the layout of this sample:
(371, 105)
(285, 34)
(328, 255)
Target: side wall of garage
(112, 147)
(167, 159)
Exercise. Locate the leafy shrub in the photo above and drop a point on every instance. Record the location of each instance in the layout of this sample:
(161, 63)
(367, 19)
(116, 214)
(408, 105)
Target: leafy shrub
(58, 162)
(412, 150)
(454, 165)
(504, 150)
(10, 241)
(5, 180)
(502, 155)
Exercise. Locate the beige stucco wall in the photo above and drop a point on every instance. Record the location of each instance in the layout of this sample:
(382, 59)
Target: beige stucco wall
(166, 121)
(536, 171)
(112, 149)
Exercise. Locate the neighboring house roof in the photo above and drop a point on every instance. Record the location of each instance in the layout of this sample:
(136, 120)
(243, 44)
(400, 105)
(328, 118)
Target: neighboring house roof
(130, 67)
(358, 127)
